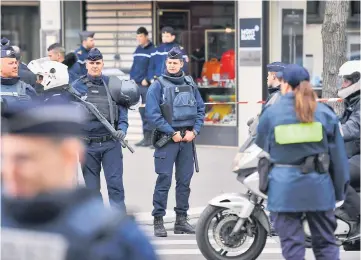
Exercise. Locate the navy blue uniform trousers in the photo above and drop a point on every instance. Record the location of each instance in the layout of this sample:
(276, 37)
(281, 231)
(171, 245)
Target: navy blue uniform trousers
(164, 158)
(143, 93)
(290, 231)
(109, 154)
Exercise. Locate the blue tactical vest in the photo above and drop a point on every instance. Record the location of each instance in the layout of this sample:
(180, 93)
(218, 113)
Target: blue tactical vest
(181, 100)
(14, 93)
(68, 235)
(99, 95)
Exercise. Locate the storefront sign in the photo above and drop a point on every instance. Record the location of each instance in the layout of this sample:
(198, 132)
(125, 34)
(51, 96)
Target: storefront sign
(250, 57)
(250, 32)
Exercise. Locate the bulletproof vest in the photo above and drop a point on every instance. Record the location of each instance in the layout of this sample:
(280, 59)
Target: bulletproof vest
(14, 93)
(77, 231)
(181, 101)
(99, 95)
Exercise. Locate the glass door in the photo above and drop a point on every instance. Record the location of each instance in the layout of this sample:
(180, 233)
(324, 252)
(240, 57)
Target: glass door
(179, 20)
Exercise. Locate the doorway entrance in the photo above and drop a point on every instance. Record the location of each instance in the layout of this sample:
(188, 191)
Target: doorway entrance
(179, 20)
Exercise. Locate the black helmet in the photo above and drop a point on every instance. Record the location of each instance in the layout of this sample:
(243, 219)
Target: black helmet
(124, 92)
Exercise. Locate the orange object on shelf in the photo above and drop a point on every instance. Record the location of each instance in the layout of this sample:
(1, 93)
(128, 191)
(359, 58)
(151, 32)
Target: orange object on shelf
(228, 66)
(211, 67)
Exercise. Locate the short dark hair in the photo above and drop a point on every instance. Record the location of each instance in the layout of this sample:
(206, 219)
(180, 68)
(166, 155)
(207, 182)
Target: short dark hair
(168, 29)
(142, 30)
(54, 46)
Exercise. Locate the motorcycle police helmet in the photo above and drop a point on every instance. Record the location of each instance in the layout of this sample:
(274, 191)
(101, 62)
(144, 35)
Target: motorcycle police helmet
(124, 92)
(55, 74)
(349, 78)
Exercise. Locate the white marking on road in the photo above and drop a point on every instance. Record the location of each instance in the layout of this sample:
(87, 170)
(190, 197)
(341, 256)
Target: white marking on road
(198, 252)
(159, 242)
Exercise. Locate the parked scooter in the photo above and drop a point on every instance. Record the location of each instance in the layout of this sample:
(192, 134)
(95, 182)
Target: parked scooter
(230, 220)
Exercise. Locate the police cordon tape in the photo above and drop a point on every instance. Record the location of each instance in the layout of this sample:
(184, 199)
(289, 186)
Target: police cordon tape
(263, 102)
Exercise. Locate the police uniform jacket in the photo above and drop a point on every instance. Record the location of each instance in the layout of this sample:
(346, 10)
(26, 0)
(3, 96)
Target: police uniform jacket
(9, 85)
(79, 69)
(159, 56)
(351, 124)
(96, 128)
(141, 59)
(155, 98)
(289, 189)
(79, 217)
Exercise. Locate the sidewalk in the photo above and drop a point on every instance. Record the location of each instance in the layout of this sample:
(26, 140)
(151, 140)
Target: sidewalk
(215, 177)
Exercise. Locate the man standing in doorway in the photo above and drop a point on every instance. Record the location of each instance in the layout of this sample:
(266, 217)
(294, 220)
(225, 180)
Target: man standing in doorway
(159, 56)
(87, 43)
(142, 75)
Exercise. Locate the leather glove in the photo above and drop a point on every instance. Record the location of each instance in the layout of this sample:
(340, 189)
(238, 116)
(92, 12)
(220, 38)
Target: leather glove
(119, 134)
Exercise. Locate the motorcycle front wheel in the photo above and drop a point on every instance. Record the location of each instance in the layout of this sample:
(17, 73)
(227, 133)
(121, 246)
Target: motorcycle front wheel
(213, 229)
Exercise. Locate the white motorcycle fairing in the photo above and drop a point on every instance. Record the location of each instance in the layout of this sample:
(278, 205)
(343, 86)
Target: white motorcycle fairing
(241, 205)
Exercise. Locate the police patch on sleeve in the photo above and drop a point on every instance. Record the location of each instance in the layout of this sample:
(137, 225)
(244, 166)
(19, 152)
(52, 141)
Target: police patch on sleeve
(79, 52)
(340, 127)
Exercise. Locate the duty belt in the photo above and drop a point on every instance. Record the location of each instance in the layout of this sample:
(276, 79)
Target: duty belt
(101, 139)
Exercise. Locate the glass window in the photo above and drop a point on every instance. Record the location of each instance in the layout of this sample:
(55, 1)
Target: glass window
(313, 7)
(355, 8)
(72, 24)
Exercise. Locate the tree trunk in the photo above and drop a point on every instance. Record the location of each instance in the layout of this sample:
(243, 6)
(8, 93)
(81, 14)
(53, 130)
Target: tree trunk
(334, 48)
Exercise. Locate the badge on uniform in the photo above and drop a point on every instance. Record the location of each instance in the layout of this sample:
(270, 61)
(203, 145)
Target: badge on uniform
(95, 91)
(79, 52)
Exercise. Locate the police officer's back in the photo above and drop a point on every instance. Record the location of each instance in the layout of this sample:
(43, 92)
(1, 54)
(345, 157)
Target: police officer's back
(176, 110)
(302, 137)
(87, 43)
(101, 147)
(41, 211)
(12, 88)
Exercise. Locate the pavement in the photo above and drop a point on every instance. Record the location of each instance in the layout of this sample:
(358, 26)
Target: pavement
(215, 177)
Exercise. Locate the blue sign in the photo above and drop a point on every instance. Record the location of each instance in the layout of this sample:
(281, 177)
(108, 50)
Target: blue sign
(250, 32)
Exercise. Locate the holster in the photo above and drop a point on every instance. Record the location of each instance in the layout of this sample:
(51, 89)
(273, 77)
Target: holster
(264, 168)
(160, 139)
(317, 163)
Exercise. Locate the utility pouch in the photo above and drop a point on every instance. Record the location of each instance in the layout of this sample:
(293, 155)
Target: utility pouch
(264, 167)
(323, 163)
(309, 165)
(163, 141)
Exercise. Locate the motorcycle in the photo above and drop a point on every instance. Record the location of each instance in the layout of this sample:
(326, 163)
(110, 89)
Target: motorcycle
(231, 219)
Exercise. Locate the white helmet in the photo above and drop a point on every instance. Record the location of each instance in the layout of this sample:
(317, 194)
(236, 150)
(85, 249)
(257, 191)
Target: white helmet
(54, 73)
(349, 78)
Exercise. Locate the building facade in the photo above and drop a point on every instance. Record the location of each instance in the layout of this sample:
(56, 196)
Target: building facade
(229, 44)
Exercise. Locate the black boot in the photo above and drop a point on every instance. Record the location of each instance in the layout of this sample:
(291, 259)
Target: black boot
(147, 139)
(141, 142)
(159, 229)
(181, 225)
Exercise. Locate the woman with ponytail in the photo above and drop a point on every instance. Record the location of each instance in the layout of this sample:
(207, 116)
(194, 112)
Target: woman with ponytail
(309, 170)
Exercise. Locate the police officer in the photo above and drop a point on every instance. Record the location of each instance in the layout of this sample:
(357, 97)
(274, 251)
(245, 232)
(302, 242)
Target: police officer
(302, 137)
(180, 95)
(101, 148)
(42, 213)
(159, 55)
(24, 73)
(12, 88)
(349, 74)
(274, 78)
(56, 52)
(142, 75)
(87, 43)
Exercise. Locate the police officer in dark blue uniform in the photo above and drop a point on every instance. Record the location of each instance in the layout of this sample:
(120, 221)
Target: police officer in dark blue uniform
(42, 213)
(101, 148)
(142, 75)
(12, 88)
(159, 55)
(175, 108)
(310, 170)
(87, 43)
